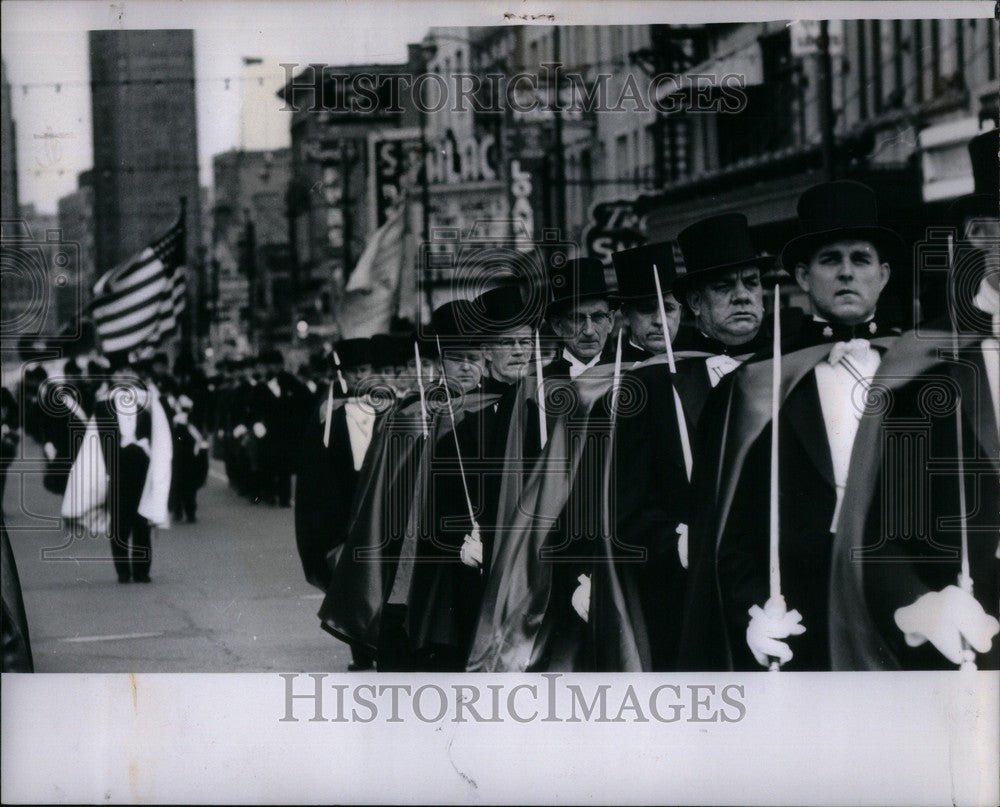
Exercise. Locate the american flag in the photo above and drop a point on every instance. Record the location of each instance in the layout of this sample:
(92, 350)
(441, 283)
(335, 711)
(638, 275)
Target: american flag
(139, 302)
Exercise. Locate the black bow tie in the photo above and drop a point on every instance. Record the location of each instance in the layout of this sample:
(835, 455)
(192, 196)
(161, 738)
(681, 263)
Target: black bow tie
(833, 332)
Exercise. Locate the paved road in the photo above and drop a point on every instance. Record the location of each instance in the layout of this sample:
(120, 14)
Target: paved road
(227, 595)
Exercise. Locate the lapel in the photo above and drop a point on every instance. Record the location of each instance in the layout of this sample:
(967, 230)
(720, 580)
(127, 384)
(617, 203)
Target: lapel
(693, 385)
(804, 415)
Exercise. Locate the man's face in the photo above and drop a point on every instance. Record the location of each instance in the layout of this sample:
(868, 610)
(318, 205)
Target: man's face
(844, 280)
(509, 355)
(729, 307)
(645, 328)
(584, 328)
(353, 376)
(464, 366)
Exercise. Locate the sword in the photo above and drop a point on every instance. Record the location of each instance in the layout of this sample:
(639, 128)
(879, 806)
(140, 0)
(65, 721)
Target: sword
(964, 575)
(458, 449)
(543, 429)
(681, 423)
(775, 606)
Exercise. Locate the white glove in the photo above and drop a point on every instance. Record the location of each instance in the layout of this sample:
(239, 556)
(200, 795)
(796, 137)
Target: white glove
(581, 598)
(181, 418)
(239, 431)
(50, 451)
(943, 618)
(765, 629)
(472, 550)
(259, 430)
(682, 544)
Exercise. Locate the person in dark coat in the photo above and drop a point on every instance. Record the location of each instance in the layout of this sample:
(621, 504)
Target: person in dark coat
(277, 406)
(125, 424)
(66, 403)
(447, 589)
(842, 261)
(903, 596)
(335, 443)
(634, 597)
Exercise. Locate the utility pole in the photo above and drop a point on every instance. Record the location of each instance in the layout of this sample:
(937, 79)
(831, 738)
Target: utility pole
(250, 268)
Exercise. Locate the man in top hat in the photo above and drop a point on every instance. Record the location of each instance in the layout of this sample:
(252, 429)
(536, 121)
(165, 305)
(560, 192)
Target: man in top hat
(633, 600)
(722, 289)
(335, 442)
(913, 597)
(636, 295)
(505, 326)
(135, 436)
(279, 406)
(579, 312)
(842, 261)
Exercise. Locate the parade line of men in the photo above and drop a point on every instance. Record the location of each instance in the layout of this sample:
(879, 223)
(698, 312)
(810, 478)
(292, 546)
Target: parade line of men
(554, 476)
(753, 491)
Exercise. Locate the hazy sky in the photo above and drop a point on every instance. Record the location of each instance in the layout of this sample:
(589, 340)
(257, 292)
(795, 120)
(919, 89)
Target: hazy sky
(45, 43)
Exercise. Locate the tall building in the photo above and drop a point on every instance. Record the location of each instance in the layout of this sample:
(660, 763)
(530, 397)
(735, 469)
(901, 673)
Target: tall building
(76, 220)
(8, 150)
(145, 144)
(248, 283)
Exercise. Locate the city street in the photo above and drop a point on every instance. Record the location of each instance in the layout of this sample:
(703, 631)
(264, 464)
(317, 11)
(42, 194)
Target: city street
(227, 593)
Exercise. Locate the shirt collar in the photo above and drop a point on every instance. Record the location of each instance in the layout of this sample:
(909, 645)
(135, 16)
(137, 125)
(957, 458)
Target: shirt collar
(575, 365)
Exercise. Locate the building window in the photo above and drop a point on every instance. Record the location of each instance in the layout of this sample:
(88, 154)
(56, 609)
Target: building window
(764, 125)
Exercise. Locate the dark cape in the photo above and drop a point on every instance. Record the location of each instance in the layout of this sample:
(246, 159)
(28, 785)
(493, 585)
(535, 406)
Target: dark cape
(729, 538)
(442, 600)
(518, 629)
(363, 568)
(906, 454)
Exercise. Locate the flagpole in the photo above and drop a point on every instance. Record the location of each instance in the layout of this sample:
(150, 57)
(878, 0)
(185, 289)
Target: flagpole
(681, 422)
(340, 375)
(775, 605)
(964, 575)
(543, 428)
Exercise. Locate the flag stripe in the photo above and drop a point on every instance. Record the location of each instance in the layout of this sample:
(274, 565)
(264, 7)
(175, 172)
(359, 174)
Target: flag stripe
(139, 302)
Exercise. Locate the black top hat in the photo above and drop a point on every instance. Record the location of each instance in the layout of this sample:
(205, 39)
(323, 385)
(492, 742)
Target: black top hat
(715, 245)
(502, 309)
(383, 350)
(634, 271)
(835, 211)
(455, 323)
(353, 353)
(573, 281)
(984, 202)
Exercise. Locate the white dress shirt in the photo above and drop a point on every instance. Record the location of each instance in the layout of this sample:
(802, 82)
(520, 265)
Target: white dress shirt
(720, 366)
(842, 384)
(576, 366)
(360, 422)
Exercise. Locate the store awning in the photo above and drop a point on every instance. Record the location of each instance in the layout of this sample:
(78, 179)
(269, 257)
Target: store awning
(746, 62)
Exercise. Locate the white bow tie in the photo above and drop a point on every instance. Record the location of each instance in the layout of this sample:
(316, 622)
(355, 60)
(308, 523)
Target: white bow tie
(721, 365)
(856, 349)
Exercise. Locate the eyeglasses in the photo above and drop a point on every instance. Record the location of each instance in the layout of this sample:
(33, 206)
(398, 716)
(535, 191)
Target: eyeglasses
(599, 319)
